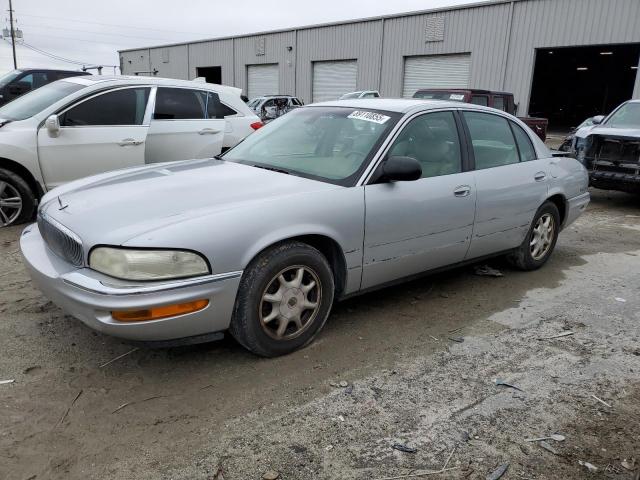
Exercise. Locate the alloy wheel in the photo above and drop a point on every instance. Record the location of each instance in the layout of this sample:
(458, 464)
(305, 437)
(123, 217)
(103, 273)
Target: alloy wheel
(290, 303)
(10, 204)
(542, 236)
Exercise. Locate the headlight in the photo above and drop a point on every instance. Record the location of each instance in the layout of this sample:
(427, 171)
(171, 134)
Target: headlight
(132, 264)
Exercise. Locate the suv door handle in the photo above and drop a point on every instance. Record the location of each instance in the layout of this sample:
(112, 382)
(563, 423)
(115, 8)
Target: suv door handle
(208, 131)
(462, 191)
(540, 176)
(130, 142)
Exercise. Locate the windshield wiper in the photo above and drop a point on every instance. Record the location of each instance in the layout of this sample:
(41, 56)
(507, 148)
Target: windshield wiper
(218, 157)
(271, 169)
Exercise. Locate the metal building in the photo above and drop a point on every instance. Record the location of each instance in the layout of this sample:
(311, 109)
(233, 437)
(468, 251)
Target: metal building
(563, 59)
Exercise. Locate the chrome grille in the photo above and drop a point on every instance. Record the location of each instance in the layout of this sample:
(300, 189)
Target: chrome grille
(62, 241)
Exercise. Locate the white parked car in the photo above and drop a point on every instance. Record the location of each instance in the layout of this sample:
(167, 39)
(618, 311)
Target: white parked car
(83, 126)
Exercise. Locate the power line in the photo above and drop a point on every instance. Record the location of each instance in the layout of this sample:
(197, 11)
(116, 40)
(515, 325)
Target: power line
(113, 34)
(112, 24)
(59, 57)
(36, 34)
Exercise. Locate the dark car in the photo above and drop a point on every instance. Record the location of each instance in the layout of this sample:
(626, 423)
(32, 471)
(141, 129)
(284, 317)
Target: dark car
(21, 81)
(500, 100)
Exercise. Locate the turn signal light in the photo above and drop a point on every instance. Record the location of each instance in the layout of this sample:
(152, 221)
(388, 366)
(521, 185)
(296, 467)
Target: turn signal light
(257, 125)
(156, 313)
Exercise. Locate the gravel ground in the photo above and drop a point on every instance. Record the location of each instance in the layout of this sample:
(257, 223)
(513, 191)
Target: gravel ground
(187, 413)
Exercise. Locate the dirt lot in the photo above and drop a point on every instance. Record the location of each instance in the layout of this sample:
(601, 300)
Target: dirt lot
(182, 413)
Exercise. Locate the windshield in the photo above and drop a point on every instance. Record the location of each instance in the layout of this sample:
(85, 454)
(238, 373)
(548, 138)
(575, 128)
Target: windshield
(9, 77)
(438, 95)
(627, 116)
(34, 102)
(254, 103)
(350, 95)
(330, 144)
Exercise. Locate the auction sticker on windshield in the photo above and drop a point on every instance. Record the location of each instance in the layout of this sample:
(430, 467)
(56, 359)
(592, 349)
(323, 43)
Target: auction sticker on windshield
(369, 117)
(456, 96)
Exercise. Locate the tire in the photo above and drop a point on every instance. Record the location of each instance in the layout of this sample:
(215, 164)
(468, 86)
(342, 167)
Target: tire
(523, 257)
(14, 186)
(263, 297)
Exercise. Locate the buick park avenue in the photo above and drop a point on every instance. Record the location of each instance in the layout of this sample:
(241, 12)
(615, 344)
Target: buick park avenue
(326, 202)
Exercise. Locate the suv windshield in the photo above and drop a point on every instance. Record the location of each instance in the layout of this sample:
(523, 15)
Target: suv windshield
(330, 144)
(34, 102)
(9, 77)
(626, 116)
(439, 95)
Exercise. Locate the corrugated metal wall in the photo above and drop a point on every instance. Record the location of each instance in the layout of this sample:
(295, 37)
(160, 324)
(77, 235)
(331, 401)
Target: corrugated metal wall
(217, 53)
(275, 51)
(502, 39)
(357, 41)
(479, 31)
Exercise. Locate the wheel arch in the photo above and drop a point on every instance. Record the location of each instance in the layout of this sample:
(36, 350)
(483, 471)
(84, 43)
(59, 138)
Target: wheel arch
(560, 201)
(326, 245)
(23, 172)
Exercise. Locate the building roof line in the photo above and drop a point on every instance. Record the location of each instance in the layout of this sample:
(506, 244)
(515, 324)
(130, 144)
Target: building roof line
(477, 4)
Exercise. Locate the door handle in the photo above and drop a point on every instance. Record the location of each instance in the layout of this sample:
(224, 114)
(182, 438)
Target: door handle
(208, 131)
(462, 191)
(540, 176)
(130, 142)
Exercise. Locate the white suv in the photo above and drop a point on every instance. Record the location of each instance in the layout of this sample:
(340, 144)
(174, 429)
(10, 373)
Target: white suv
(83, 126)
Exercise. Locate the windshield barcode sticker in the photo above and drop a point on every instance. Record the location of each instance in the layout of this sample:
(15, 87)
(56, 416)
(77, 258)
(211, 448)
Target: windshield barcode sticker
(369, 117)
(456, 96)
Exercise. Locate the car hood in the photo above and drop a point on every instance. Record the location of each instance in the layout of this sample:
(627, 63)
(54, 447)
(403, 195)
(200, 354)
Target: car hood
(116, 207)
(608, 131)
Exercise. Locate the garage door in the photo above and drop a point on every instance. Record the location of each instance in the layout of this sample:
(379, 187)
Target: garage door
(262, 80)
(331, 80)
(435, 71)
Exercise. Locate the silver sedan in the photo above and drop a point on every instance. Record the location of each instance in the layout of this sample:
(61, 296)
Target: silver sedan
(329, 201)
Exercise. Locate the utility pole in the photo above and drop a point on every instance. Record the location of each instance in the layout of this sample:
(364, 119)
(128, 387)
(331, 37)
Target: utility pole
(13, 35)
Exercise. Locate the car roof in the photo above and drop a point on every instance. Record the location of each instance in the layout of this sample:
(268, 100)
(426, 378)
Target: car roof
(470, 90)
(399, 105)
(140, 80)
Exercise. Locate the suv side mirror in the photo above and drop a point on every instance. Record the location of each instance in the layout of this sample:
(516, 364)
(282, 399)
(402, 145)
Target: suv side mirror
(52, 124)
(597, 120)
(399, 169)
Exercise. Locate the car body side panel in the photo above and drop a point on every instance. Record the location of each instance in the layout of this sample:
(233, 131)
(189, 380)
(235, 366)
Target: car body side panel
(416, 226)
(508, 198)
(244, 231)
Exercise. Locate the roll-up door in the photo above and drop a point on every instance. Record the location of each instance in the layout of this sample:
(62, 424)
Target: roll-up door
(262, 80)
(435, 71)
(331, 80)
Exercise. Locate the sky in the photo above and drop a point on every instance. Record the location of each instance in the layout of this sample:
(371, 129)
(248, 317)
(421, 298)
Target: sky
(93, 31)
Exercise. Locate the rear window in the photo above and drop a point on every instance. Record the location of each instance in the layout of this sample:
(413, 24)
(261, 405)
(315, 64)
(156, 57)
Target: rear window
(180, 104)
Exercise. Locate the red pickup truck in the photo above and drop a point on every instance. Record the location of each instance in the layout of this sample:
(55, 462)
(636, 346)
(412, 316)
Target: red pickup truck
(500, 100)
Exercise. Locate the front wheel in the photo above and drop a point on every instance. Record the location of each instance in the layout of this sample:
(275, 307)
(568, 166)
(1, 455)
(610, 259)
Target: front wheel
(17, 202)
(284, 299)
(540, 240)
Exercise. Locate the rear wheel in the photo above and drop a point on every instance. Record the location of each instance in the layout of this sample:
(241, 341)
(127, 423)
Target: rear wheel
(540, 240)
(17, 201)
(284, 299)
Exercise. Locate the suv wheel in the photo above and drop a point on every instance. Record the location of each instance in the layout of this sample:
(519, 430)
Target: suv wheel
(17, 202)
(284, 299)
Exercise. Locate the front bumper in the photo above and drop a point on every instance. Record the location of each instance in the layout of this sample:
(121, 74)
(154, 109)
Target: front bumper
(624, 182)
(91, 296)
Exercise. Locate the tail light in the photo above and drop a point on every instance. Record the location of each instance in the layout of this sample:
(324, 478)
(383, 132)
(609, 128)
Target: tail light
(257, 125)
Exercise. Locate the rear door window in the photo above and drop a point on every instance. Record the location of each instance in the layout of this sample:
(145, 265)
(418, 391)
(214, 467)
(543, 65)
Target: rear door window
(499, 103)
(492, 140)
(480, 100)
(119, 107)
(180, 104)
(525, 147)
(217, 109)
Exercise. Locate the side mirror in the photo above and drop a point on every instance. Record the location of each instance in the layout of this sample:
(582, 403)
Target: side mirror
(597, 120)
(52, 124)
(400, 169)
